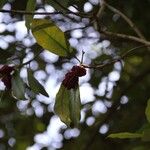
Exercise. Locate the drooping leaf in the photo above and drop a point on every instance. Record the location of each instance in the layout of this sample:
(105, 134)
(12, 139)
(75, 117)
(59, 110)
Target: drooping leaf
(35, 85)
(30, 7)
(147, 111)
(75, 106)
(2, 2)
(125, 135)
(50, 37)
(67, 105)
(18, 88)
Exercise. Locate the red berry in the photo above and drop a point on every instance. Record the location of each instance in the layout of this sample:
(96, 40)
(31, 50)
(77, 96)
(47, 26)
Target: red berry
(6, 69)
(7, 81)
(79, 70)
(5, 72)
(72, 77)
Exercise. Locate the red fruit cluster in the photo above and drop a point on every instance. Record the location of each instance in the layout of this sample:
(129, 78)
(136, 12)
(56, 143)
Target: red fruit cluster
(5, 74)
(72, 77)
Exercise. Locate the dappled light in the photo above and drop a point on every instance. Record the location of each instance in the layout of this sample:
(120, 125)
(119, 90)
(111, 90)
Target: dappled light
(74, 75)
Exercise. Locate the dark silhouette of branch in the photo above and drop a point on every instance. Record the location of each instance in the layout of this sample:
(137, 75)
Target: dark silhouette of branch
(101, 9)
(126, 37)
(128, 20)
(100, 66)
(29, 12)
(43, 13)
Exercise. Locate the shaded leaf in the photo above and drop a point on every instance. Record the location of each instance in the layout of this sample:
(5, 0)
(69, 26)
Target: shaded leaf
(67, 105)
(30, 7)
(4, 55)
(2, 2)
(18, 88)
(35, 85)
(147, 111)
(146, 135)
(125, 135)
(50, 37)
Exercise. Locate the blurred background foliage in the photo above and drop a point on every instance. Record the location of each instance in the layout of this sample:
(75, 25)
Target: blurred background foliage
(114, 97)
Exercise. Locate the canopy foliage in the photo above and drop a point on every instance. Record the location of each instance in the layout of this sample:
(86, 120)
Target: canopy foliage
(115, 38)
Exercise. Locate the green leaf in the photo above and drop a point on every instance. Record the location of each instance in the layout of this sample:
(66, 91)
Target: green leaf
(146, 135)
(2, 2)
(18, 88)
(50, 37)
(125, 135)
(147, 111)
(35, 85)
(67, 105)
(30, 7)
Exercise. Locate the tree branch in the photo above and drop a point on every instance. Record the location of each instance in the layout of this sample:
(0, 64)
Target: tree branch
(43, 13)
(100, 66)
(101, 9)
(132, 25)
(28, 12)
(81, 14)
(126, 37)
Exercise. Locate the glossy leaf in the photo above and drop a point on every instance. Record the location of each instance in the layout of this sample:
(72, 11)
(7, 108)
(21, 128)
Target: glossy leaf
(18, 88)
(50, 37)
(125, 135)
(35, 85)
(30, 7)
(67, 105)
(147, 111)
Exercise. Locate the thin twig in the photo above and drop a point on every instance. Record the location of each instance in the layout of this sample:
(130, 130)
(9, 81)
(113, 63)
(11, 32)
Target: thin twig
(84, 27)
(101, 9)
(29, 12)
(97, 18)
(41, 13)
(100, 66)
(132, 25)
(82, 57)
(28, 62)
(77, 58)
(126, 37)
(81, 14)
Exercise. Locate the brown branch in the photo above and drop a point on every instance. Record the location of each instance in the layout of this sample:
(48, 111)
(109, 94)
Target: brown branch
(28, 12)
(101, 9)
(84, 27)
(42, 13)
(81, 14)
(132, 25)
(97, 17)
(126, 37)
(100, 66)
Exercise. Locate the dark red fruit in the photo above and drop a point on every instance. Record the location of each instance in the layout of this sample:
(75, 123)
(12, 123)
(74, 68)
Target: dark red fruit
(7, 81)
(72, 77)
(5, 73)
(6, 70)
(79, 70)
